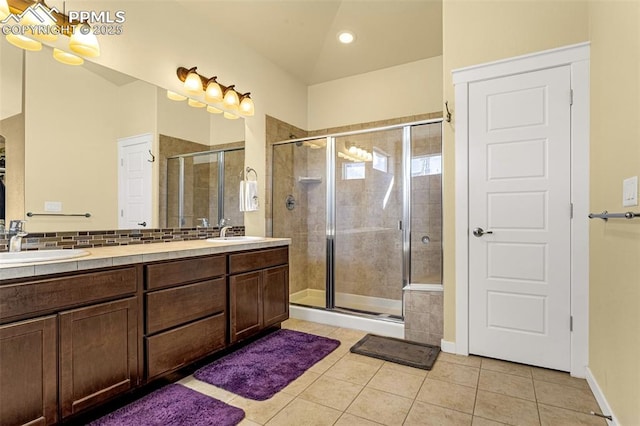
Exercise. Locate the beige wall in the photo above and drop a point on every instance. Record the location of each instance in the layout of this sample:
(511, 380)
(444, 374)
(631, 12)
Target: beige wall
(614, 355)
(400, 91)
(482, 31)
(70, 155)
(10, 80)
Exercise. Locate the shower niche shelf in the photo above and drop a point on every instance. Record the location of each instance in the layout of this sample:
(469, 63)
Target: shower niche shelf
(310, 179)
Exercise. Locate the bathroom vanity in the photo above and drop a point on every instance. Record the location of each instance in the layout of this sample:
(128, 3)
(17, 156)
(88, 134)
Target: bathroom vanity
(76, 333)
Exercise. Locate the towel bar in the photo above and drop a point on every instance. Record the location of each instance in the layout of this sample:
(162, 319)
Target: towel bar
(605, 215)
(31, 214)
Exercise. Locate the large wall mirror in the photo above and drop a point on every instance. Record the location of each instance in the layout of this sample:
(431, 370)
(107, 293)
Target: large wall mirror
(63, 128)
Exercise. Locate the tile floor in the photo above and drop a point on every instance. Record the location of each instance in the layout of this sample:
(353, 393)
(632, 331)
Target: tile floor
(347, 389)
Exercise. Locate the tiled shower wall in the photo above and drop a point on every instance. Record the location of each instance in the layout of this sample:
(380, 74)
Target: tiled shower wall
(423, 316)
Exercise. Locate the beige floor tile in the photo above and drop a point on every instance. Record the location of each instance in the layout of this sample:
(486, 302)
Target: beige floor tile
(448, 395)
(247, 422)
(507, 384)
(332, 392)
(305, 413)
(558, 377)
(506, 367)
(262, 411)
(565, 397)
(470, 361)
(364, 359)
(301, 383)
(207, 389)
(327, 362)
(455, 373)
(405, 369)
(422, 414)
(506, 409)
(396, 382)
(352, 371)
(380, 407)
(554, 416)
(348, 336)
(350, 420)
(479, 421)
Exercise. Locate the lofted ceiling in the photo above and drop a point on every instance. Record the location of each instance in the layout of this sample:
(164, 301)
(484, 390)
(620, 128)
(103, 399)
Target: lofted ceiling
(300, 36)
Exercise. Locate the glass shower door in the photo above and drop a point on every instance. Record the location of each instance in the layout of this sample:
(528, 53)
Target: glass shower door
(368, 214)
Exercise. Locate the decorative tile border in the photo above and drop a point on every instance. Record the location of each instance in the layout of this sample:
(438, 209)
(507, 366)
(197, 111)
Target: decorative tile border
(110, 238)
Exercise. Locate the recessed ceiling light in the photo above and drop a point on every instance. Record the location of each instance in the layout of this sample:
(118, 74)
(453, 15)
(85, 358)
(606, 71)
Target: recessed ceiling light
(346, 37)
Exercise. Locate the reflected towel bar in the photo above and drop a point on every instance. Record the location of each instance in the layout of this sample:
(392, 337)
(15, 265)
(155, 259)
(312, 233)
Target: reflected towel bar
(605, 215)
(31, 214)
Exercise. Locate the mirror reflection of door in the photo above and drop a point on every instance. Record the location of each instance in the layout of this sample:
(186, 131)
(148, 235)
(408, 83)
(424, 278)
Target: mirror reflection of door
(134, 182)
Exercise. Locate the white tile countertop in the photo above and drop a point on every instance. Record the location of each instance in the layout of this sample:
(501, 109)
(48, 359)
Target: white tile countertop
(104, 257)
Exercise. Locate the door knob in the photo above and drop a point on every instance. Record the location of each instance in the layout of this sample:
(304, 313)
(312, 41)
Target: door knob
(143, 223)
(479, 232)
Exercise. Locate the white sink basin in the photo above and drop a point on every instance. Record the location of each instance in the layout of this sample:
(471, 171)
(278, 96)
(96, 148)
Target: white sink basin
(40, 255)
(238, 238)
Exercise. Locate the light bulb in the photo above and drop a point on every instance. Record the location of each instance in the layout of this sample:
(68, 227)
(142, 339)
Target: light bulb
(353, 149)
(346, 37)
(231, 100)
(213, 92)
(193, 82)
(66, 57)
(214, 110)
(246, 106)
(175, 96)
(196, 104)
(84, 42)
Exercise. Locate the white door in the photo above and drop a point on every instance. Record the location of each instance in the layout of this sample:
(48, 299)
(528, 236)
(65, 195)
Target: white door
(134, 182)
(519, 195)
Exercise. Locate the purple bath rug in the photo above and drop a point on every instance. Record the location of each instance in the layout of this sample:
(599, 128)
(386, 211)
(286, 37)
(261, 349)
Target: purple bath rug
(262, 368)
(173, 405)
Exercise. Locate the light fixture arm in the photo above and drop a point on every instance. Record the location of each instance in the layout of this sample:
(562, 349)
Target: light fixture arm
(182, 73)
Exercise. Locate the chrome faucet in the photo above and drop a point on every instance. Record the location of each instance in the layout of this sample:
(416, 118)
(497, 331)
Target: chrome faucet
(17, 228)
(225, 225)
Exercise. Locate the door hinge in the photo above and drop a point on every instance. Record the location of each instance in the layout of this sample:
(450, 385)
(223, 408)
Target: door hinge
(399, 225)
(571, 97)
(571, 323)
(571, 210)
(122, 162)
(121, 213)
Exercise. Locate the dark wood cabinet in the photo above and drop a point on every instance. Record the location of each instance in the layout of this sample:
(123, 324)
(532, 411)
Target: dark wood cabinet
(98, 353)
(184, 320)
(260, 298)
(28, 372)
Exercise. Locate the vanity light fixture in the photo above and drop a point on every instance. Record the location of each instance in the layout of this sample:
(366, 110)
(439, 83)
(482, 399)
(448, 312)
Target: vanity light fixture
(218, 97)
(196, 104)
(175, 96)
(46, 25)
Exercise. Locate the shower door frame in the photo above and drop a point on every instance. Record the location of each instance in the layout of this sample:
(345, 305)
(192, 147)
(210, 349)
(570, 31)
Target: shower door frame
(330, 169)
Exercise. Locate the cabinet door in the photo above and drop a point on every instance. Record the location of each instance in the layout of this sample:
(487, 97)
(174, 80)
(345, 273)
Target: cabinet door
(98, 354)
(275, 295)
(28, 367)
(245, 305)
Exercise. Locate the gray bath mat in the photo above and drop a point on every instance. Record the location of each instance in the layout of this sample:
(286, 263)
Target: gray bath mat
(405, 352)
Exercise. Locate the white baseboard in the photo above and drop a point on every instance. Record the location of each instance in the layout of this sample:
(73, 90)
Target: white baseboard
(448, 347)
(605, 408)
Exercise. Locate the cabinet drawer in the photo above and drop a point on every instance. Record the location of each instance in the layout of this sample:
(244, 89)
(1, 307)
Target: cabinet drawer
(178, 305)
(48, 295)
(178, 347)
(259, 259)
(177, 272)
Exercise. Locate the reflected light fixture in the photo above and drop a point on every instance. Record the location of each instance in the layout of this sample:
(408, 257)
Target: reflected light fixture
(43, 23)
(66, 57)
(196, 104)
(218, 97)
(175, 96)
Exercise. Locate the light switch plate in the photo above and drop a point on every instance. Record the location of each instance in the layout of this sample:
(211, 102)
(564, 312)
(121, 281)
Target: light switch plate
(630, 192)
(53, 206)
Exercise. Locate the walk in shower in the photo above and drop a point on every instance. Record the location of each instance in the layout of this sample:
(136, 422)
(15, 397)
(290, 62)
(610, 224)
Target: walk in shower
(364, 212)
(202, 188)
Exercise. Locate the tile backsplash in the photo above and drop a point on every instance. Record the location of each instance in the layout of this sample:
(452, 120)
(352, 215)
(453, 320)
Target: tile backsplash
(110, 238)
